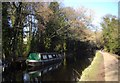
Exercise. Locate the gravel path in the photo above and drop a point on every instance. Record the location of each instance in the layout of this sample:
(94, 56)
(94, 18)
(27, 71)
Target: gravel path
(111, 66)
(104, 67)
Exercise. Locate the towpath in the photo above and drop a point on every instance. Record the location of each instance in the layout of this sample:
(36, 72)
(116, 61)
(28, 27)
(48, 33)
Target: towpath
(104, 67)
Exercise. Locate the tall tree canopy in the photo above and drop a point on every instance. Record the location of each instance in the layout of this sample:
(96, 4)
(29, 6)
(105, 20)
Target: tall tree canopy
(43, 27)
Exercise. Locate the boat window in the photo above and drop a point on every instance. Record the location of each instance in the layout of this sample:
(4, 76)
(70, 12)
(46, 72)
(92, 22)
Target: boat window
(39, 56)
(50, 56)
(54, 55)
(44, 56)
(59, 55)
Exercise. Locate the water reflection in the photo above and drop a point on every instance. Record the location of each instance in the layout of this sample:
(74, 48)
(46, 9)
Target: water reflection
(36, 73)
(55, 72)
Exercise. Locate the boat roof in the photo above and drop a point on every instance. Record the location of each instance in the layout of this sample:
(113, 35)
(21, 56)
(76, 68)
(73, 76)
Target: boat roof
(45, 53)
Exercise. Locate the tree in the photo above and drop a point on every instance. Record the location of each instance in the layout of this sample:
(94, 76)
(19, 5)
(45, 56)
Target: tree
(110, 34)
(6, 35)
(14, 15)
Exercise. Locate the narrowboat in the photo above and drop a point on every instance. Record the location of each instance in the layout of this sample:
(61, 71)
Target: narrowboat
(39, 59)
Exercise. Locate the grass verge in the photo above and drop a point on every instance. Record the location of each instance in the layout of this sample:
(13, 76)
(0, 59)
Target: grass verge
(92, 71)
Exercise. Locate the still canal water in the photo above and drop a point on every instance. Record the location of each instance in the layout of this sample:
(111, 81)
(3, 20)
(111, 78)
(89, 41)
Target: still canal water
(55, 72)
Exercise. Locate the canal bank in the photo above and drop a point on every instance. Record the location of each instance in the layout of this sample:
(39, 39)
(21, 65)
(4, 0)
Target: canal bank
(104, 67)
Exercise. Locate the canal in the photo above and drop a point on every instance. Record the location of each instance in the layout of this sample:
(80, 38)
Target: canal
(71, 71)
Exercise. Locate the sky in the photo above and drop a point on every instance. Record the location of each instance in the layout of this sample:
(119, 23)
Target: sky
(100, 8)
